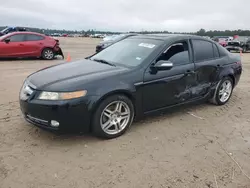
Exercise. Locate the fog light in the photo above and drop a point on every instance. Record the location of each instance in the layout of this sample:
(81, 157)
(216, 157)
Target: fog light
(54, 123)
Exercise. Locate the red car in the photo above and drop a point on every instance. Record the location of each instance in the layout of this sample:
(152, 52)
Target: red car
(29, 44)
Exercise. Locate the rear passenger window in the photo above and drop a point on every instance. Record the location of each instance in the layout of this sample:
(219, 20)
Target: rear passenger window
(216, 51)
(203, 50)
(33, 37)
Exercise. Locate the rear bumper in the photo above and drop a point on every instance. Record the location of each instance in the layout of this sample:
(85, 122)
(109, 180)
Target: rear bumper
(58, 51)
(236, 48)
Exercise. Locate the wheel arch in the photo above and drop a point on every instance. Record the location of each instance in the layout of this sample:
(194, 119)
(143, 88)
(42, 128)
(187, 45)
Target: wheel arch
(41, 53)
(124, 92)
(227, 73)
(232, 77)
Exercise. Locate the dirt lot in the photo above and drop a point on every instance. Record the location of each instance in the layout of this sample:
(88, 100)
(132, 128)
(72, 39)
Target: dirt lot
(200, 146)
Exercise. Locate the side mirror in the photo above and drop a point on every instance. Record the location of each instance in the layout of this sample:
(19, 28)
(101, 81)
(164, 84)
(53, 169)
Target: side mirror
(163, 65)
(7, 40)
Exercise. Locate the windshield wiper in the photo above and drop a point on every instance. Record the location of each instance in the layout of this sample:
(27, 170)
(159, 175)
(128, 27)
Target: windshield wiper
(104, 62)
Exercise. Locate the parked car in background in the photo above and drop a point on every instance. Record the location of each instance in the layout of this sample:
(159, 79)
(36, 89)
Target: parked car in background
(133, 77)
(11, 29)
(111, 40)
(55, 35)
(29, 44)
(239, 44)
(223, 40)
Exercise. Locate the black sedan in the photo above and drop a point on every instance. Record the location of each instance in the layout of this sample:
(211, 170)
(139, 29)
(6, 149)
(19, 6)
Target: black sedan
(106, 43)
(136, 76)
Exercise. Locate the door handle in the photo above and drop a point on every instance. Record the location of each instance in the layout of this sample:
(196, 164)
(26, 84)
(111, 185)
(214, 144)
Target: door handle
(188, 72)
(21, 44)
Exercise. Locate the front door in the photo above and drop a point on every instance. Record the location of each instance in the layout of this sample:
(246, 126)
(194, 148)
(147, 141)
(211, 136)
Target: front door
(170, 87)
(15, 46)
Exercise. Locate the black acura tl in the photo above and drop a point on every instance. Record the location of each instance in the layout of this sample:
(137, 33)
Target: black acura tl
(141, 74)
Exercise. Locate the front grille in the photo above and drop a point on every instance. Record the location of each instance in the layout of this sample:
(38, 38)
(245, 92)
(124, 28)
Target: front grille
(37, 120)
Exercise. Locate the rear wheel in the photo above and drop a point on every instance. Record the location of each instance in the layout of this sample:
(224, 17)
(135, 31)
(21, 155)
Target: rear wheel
(113, 117)
(48, 54)
(223, 91)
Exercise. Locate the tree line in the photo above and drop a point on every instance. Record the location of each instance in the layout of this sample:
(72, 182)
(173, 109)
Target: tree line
(201, 32)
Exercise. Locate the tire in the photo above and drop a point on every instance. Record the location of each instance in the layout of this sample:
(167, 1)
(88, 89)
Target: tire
(107, 122)
(48, 54)
(219, 92)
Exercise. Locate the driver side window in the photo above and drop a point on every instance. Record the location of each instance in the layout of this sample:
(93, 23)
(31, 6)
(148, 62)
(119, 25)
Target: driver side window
(17, 38)
(177, 53)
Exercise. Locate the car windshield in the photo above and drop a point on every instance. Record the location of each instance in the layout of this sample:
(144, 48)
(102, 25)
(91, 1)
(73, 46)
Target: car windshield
(4, 30)
(129, 52)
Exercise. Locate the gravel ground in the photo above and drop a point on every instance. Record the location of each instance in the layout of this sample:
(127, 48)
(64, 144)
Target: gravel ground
(197, 146)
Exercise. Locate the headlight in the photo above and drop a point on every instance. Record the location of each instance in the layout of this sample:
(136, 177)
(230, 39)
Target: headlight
(61, 96)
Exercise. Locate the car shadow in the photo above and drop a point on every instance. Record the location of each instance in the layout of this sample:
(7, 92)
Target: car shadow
(170, 113)
(70, 139)
(30, 59)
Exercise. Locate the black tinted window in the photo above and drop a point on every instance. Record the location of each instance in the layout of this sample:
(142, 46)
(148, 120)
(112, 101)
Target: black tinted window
(17, 38)
(203, 50)
(177, 54)
(33, 37)
(216, 51)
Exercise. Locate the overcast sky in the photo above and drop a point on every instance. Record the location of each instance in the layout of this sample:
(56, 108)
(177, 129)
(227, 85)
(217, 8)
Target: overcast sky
(127, 15)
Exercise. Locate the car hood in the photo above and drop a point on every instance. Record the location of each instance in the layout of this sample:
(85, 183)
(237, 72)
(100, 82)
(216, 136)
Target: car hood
(69, 76)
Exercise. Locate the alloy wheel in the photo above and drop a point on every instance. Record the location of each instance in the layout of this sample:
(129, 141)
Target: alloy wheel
(48, 54)
(115, 117)
(225, 91)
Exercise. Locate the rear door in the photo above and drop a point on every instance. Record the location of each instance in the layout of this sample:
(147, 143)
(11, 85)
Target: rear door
(14, 48)
(207, 64)
(33, 44)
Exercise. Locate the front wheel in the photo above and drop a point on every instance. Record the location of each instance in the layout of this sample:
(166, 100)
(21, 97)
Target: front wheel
(113, 117)
(223, 92)
(48, 54)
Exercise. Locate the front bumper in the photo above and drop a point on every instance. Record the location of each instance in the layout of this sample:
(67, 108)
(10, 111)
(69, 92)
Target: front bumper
(71, 115)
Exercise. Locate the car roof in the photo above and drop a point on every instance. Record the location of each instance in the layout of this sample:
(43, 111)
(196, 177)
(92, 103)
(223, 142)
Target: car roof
(24, 32)
(166, 37)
